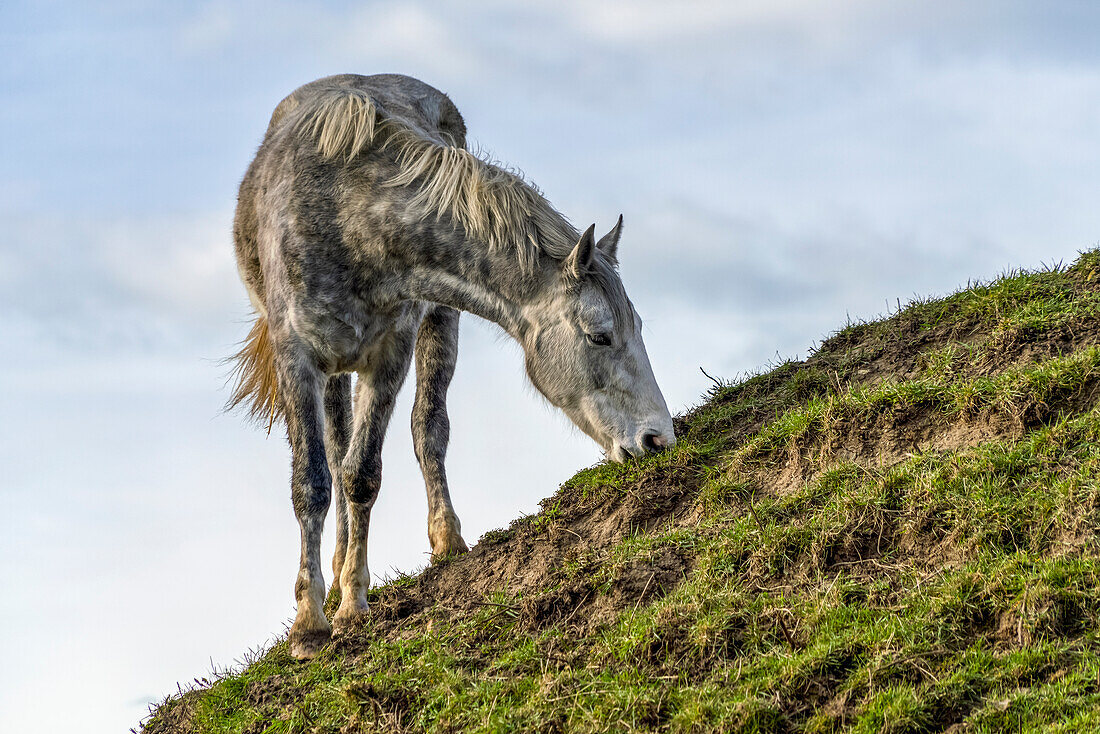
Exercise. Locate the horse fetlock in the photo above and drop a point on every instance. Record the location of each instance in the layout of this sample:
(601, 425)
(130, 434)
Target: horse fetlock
(309, 586)
(353, 596)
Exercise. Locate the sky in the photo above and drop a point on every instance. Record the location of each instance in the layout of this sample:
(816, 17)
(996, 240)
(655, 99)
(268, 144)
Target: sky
(782, 166)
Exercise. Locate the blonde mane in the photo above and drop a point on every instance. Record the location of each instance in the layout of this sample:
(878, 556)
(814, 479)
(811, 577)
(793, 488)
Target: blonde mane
(491, 203)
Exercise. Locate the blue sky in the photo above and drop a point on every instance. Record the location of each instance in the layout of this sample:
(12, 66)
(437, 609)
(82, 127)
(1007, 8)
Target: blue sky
(781, 166)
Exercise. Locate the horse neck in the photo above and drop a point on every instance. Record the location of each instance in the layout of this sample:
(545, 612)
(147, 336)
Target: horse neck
(488, 282)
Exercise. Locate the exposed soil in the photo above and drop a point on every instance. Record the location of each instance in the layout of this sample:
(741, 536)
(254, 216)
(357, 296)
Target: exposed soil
(547, 566)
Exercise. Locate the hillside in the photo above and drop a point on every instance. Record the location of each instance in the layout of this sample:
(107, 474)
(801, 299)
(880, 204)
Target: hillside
(899, 533)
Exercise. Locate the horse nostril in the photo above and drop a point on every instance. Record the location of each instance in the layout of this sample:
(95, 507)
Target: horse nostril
(654, 442)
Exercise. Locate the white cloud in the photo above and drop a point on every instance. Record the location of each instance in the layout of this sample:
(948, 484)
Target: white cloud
(413, 38)
(648, 21)
(183, 265)
(103, 285)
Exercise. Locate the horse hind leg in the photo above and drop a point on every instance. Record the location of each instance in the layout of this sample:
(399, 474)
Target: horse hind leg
(300, 386)
(361, 471)
(337, 438)
(436, 352)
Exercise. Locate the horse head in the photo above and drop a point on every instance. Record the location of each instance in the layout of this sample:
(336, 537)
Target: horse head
(584, 352)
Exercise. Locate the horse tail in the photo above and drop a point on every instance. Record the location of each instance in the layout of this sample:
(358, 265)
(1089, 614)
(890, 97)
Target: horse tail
(255, 377)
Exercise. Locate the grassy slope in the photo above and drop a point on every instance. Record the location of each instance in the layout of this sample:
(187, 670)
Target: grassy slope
(898, 534)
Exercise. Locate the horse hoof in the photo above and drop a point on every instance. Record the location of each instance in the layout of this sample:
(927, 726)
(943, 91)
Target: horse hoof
(445, 535)
(453, 546)
(304, 645)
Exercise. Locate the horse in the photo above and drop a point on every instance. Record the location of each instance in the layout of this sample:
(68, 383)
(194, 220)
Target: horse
(363, 227)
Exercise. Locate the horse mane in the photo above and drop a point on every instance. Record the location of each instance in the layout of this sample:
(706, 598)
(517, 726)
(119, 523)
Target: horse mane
(492, 203)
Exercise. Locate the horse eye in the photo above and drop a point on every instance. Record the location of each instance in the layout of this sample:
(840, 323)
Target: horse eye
(599, 340)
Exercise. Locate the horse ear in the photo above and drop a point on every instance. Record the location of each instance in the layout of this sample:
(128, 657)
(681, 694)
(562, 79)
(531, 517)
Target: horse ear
(580, 259)
(609, 243)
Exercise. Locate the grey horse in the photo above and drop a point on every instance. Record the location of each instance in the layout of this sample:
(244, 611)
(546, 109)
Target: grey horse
(363, 227)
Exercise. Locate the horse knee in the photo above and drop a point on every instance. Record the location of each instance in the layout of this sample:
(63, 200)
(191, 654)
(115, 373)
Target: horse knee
(312, 499)
(361, 485)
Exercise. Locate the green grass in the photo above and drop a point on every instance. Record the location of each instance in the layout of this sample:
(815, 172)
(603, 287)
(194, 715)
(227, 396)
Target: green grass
(905, 590)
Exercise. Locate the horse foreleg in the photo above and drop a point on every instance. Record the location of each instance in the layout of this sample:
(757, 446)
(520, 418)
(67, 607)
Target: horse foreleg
(300, 386)
(375, 392)
(337, 437)
(436, 352)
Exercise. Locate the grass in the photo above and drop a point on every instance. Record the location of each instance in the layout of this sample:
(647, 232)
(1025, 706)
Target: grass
(896, 535)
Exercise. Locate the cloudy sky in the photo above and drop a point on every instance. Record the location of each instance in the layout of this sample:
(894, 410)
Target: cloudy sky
(782, 166)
